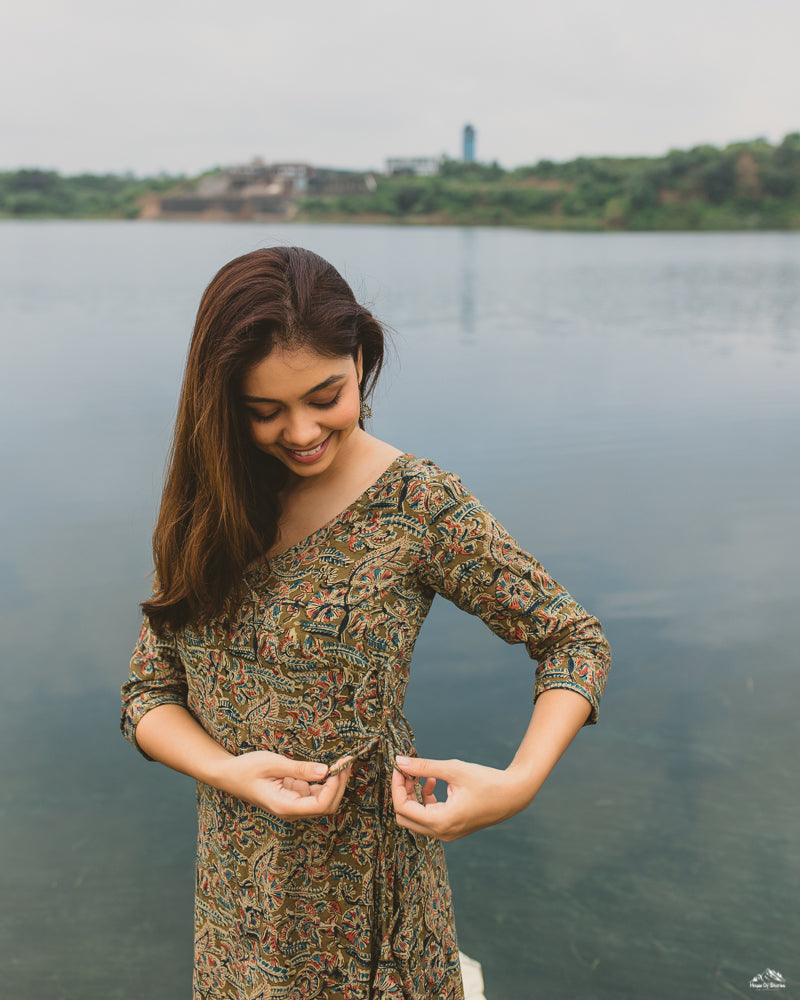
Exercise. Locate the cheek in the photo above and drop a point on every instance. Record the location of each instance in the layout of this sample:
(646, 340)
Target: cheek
(347, 413)
(260, 434)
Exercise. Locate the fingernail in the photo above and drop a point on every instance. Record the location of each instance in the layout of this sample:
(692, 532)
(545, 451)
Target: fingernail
(402, 760)
(319, 771)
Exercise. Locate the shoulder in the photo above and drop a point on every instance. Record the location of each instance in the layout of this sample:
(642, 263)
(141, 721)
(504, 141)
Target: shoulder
(424, 471)
(431, 490)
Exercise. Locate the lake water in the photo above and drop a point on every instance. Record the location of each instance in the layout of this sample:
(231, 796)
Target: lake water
(627, 405)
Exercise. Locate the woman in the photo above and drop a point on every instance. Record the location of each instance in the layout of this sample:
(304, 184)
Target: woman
(296, 558)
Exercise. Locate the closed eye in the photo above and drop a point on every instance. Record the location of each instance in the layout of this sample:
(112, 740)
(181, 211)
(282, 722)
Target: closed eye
(265, 418)
(331, 402)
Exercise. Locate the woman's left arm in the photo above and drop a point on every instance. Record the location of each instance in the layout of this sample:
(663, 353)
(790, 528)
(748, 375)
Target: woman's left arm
(479, 796)
(469, 558)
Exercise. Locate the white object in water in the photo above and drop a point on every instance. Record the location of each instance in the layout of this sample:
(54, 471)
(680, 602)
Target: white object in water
(472, 976)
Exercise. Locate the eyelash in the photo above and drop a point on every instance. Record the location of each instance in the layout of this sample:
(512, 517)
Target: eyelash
(331, 402)
(265, 419)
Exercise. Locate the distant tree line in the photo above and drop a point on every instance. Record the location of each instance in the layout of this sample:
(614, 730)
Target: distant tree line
(746, 185)
(37, 194)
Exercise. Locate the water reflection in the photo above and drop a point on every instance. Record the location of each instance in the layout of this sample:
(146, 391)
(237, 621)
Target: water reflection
(468, 290)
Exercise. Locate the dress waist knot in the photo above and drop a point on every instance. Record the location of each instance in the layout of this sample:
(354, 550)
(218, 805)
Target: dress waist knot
(394, 736)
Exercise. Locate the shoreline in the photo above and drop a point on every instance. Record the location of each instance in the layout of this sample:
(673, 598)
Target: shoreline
(409, 222)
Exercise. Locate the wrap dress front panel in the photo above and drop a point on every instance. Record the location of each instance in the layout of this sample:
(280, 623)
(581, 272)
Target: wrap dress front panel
(314, 665)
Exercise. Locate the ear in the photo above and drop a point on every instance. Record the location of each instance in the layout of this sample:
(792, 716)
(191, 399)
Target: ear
(360, 364)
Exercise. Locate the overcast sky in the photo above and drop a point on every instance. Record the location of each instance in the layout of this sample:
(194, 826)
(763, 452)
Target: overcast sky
(180, 86)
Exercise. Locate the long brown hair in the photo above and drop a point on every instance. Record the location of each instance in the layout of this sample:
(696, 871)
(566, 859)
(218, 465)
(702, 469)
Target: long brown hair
(220, 507)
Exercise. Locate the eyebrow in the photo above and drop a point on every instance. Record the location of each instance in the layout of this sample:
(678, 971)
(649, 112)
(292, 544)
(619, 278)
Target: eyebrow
(332, 380)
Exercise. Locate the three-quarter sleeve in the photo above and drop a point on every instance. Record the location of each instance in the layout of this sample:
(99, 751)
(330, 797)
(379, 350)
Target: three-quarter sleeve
(156, 678)
(471, 560)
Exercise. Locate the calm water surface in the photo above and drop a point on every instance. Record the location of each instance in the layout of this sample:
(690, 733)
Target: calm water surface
(627, 405)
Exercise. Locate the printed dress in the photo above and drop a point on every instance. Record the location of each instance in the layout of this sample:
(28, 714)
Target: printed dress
(314, 666)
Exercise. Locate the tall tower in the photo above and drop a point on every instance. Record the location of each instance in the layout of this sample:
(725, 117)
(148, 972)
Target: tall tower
(469, 144)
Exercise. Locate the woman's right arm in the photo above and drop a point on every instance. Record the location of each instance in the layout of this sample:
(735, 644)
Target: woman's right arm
(287, 788)
(156, 720)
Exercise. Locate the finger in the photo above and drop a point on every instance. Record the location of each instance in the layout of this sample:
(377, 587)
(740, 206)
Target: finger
(338, 782)
(305, 770)
(402, 787)
(321, 800)
(305, 808)
(339, 795)
(420, 767)
(412, 810)
(405, 801)
(429, 791)
(428, 820)
(412, 789)
(408, 824)
(296, 785)
(328, 795)
(341, 764)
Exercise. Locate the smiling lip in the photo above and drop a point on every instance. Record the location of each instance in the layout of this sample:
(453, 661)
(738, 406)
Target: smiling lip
(309, 455)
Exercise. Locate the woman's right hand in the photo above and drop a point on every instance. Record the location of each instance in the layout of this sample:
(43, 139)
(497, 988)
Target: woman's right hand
(289, 789)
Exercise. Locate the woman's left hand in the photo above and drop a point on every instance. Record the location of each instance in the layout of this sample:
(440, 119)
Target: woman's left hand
(477, 796)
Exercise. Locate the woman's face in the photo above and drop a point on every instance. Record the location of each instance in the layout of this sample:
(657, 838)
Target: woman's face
(303, 407)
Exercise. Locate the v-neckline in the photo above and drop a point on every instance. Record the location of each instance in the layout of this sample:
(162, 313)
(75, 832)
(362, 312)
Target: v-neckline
(266, 563)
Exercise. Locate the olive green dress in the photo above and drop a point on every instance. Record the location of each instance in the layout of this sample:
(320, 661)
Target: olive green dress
(314, 666)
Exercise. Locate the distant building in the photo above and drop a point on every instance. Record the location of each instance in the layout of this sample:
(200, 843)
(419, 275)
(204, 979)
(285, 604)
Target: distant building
(412, 166)
(258, 190)
(469, 144)
(299, 173)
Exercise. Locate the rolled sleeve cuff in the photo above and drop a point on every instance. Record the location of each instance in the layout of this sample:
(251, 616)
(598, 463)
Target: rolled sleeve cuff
(563, 673)
(134, 710)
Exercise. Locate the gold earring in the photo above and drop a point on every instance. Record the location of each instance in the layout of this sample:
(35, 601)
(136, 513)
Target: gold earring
(365, 411)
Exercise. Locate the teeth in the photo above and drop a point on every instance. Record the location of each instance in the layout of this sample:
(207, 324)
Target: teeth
(313, 451)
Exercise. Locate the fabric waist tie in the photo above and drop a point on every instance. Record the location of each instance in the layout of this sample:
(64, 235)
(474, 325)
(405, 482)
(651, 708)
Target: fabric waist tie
(388, 736)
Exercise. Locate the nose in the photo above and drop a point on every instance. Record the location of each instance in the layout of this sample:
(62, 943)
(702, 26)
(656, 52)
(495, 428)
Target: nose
(301, 429)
